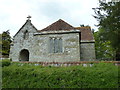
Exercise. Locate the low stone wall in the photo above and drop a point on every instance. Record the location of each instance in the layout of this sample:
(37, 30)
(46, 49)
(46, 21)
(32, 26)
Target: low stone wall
(83, 63)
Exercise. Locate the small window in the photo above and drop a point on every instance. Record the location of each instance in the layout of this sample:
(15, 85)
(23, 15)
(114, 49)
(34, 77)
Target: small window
(26, 35)
(55, 45)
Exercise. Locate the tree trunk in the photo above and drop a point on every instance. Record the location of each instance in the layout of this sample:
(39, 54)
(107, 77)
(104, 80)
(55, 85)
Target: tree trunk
(117, 55)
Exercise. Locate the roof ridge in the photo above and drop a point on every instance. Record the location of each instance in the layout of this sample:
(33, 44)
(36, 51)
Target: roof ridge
(85, 27)
(58, 25)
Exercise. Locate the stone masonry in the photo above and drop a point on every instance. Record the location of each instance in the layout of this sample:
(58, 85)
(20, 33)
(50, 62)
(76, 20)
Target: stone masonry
(30, 44)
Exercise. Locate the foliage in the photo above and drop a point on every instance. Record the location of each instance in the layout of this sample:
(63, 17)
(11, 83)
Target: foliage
(108, 17)
(103, 49)
(5, 62)
(21, 75)
(0, 77)
(0, 44)
(6, 40)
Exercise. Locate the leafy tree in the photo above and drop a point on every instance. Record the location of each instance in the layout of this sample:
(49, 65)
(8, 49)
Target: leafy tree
(0, 45)
(108, 16)
(103, 49)
(6, 40)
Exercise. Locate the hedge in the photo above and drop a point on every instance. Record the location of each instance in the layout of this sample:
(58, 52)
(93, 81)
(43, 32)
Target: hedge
(22, 75)
(5, 62)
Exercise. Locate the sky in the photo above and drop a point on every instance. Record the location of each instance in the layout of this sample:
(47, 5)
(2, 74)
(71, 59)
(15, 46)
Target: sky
(13, 13)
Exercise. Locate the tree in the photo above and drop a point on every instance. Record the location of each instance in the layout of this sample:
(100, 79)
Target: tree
(103, 49)
(0, 45)
(6, 40)
(108, 16)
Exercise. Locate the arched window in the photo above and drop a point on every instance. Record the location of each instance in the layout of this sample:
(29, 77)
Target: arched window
(26, 34)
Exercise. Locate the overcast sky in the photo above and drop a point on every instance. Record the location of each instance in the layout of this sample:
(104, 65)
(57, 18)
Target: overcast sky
(13, 13)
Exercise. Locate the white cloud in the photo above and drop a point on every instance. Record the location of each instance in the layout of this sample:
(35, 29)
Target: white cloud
(13, 13)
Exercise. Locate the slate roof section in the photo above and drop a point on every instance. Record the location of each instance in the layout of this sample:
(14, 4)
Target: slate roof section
(86, 33)
(58, 25)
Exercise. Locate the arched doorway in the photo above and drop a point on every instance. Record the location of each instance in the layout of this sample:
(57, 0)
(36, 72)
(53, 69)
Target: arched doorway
(24, 55)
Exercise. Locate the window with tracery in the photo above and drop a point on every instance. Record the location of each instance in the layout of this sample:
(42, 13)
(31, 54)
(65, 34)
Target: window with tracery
(55, 45)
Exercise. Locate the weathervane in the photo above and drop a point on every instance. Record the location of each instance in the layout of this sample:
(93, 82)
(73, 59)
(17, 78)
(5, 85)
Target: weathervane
(29, 17)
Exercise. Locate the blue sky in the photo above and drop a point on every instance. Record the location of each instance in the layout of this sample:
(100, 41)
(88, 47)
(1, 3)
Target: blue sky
(13, 13)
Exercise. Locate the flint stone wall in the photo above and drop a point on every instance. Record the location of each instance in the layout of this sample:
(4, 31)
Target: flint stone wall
(87, 51)
(38, 46)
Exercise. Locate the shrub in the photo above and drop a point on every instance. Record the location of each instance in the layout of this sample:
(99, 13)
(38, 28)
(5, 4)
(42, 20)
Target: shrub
(103, 75)
(6, 62)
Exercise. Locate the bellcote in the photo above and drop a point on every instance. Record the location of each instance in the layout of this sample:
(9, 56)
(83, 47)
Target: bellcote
(29, 17)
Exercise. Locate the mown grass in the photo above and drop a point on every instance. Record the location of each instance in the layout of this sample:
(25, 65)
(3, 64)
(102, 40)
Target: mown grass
(19, 75)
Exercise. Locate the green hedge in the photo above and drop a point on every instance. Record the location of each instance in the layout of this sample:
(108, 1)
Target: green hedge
(5, 62)
(102, 75)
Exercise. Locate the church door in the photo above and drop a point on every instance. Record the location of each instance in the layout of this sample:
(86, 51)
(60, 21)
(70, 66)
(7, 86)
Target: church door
(24, 55)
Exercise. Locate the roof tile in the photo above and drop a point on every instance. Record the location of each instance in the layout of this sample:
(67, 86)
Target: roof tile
(58, 25)
(86, 33)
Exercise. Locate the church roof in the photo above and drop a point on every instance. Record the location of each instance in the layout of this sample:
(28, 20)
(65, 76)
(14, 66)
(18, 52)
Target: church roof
(58, 25)
(86, 33)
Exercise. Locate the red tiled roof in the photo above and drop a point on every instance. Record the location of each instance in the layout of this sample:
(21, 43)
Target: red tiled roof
(58, 25)
(86, 33)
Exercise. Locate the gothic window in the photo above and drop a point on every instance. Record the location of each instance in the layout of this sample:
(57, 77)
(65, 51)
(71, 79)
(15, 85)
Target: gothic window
(55, 45)
(56, 49)
(26, 35)
(51, 48)
(60, 45)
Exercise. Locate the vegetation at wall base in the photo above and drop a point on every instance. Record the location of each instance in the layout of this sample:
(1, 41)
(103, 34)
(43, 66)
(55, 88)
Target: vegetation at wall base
(28, 75)
(5, 62)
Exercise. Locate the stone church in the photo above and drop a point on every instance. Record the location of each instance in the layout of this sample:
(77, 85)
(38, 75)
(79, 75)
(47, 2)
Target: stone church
(59, 42)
